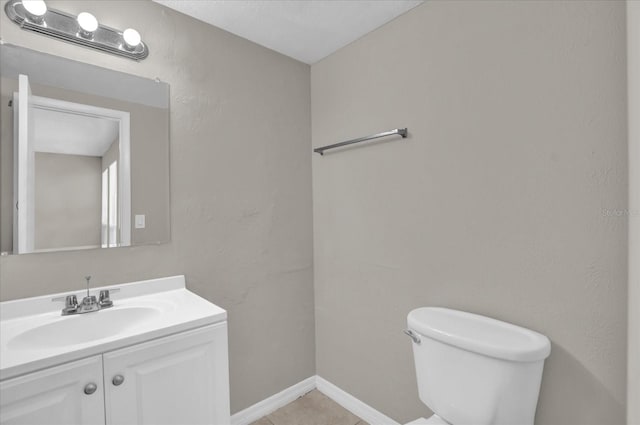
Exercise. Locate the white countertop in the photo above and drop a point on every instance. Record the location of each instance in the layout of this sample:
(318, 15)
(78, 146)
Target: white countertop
(167, 305)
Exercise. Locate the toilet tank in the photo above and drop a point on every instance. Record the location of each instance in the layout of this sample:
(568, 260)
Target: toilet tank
(476, 370)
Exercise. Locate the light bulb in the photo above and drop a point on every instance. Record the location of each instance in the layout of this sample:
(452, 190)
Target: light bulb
(131, 38)
(87, 22)
(36, 8)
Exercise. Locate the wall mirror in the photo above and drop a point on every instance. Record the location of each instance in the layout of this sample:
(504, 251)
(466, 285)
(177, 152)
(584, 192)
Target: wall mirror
(84, 155)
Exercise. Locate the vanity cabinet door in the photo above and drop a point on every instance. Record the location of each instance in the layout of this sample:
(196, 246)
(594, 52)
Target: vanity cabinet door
(69, 394)
(181, 379)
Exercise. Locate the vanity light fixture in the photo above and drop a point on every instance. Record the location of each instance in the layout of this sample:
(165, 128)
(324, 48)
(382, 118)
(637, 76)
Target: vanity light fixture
(84, 29)
(131, 38)
(35, 9)
(88, 25)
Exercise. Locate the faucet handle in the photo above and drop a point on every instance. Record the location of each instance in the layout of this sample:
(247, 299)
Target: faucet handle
(70, 305)
(71, 301)
(104, 299)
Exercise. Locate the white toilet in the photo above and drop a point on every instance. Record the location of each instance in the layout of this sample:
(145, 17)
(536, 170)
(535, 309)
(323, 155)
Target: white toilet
(473, 370)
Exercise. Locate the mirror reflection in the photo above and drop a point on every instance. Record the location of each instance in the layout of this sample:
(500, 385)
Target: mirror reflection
(83, 155)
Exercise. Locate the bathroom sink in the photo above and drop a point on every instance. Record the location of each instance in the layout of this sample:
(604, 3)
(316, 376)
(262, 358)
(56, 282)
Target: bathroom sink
(83, 328)
(34, 334)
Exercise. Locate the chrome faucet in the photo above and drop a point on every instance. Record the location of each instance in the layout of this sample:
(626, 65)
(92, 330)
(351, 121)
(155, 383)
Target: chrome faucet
(88, 304)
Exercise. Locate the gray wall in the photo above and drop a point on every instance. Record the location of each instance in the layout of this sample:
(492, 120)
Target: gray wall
(633, 341)
(240, 190)
(68, 200)
(503, 201)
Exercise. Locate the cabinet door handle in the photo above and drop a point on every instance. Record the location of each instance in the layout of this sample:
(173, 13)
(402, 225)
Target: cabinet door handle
(90, 388)
(117, 380)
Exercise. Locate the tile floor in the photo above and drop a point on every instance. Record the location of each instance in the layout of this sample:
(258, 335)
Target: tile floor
(314, 408)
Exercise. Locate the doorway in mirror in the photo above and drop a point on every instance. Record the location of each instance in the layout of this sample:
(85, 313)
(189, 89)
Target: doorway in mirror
(71, 174)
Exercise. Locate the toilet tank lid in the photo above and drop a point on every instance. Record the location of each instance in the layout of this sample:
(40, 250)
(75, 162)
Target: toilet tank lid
(480, 334)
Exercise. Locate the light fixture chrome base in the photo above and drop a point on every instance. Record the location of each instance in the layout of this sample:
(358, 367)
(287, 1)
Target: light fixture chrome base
(63, 26)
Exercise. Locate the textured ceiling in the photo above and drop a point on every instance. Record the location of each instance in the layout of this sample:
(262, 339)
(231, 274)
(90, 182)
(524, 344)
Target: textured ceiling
(306, 30)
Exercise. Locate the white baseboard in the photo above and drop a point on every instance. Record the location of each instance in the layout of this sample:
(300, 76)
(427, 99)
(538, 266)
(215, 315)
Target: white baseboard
(286, 396)
(352, 404)
(273, 403)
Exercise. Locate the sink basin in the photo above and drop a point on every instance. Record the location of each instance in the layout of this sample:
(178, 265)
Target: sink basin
(34, 335)
(83, 328)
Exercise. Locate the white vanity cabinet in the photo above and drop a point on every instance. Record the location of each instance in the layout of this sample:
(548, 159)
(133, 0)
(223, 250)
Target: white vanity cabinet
(158, 356)
(180, 379)
(55, 396)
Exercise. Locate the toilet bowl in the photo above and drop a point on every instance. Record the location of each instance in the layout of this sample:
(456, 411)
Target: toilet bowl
(475, 370)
